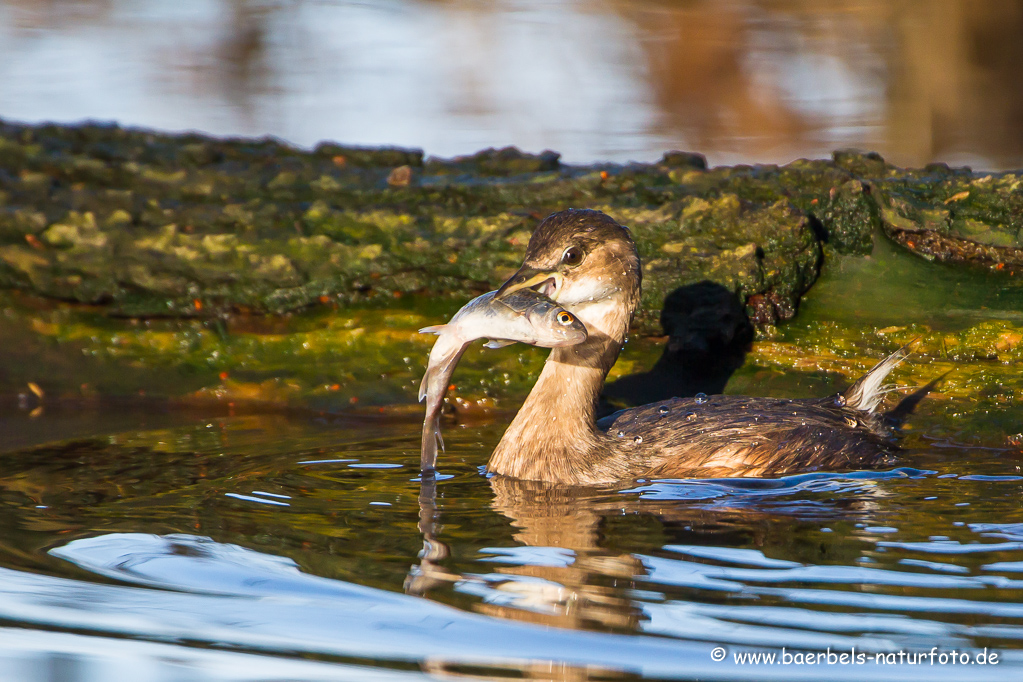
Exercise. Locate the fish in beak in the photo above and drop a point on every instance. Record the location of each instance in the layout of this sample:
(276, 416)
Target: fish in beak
(545, 282)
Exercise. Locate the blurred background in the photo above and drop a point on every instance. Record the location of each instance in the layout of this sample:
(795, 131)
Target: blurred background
(618, 80)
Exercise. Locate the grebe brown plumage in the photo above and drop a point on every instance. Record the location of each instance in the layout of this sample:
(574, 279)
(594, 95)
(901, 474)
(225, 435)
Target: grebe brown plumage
(588, 263)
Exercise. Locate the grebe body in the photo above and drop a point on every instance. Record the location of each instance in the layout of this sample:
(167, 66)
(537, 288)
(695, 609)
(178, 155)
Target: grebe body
(588, 263)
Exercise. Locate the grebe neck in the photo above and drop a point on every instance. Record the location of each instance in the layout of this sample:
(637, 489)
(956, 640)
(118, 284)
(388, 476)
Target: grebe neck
(554, 436)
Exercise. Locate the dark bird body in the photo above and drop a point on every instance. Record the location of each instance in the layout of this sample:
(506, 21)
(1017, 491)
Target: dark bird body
(588, 264)
(743, 436)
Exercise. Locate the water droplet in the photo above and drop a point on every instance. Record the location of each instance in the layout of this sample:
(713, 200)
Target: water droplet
(664, 409)
(637, 439)
(621, 433)
(690, 416)
(840, 400)
(700, 398)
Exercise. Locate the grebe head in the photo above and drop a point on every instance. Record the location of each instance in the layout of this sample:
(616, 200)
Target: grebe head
(580, 258)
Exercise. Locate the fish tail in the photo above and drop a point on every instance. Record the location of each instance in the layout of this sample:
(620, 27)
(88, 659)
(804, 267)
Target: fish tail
(443, 358)
(431, 440)
(866, 393)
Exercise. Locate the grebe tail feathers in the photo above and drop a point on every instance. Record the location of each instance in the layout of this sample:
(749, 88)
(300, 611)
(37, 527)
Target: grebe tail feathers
(865, 395)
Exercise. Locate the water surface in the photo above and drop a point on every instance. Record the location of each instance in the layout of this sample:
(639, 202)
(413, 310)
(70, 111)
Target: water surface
(201, 543)
(226, 548)
(598, 80)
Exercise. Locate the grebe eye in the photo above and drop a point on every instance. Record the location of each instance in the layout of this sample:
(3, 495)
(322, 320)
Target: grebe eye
(565, 318)
(573, 256)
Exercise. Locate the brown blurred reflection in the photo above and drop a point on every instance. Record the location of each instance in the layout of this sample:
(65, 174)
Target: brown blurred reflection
(738, 80)
(228, 59)
(957, 82)
(592, 589)
(697, 54)
(944, 75)
(57, 14)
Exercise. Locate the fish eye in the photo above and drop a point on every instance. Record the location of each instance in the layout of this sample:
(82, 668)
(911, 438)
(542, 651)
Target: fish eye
(566, 318)
(573, 256)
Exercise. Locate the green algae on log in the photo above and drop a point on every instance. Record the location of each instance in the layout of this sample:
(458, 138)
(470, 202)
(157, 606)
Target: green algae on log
(210, 246)
(147, 224)
(766, 253)
(321, 359)
(956, 216)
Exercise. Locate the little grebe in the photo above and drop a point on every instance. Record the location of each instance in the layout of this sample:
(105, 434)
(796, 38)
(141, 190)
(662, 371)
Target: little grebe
(588, 263)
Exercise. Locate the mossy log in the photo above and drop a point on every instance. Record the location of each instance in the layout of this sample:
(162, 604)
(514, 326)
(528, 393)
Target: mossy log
(187, 254)
(149, 224)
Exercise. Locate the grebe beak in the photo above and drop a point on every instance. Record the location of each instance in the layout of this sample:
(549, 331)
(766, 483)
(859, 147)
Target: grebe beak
(546, 282)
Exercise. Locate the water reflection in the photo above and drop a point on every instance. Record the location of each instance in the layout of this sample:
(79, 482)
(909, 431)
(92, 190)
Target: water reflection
(39, 656)
(563, 572)
(229, 595)
(749, 80)
(171, 534)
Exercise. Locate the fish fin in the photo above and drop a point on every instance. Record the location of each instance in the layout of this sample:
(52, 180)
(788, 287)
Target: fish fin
(866, 393)
(497, 343)
(428, 450)
(434, 329)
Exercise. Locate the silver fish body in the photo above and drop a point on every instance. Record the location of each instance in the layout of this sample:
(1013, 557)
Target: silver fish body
(525, 316)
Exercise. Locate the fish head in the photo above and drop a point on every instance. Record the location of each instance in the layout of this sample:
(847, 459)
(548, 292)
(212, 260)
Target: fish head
(530, 317)
(553, 326)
